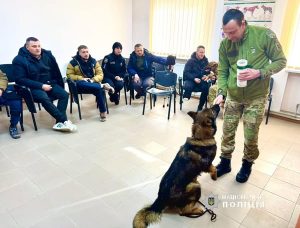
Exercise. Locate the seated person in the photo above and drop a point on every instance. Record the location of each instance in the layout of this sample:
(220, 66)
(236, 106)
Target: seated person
(87, 73)
(114, 69)
(140, 68)
(37, 69)
(194, 78)
(9, 97)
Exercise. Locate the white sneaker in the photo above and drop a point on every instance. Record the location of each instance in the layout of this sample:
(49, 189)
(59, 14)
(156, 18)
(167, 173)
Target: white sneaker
(61, 127)
(70, 125)
(185, 99)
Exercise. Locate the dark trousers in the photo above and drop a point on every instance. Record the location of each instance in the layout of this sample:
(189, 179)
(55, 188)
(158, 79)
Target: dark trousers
(15, 109)
(117, 85)
(95, 89)
(47, 98)
(190, 86)
(141, 86)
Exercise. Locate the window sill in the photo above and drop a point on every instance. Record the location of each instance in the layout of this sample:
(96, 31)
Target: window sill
(291, 70)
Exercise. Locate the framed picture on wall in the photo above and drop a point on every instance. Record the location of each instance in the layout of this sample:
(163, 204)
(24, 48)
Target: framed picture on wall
(256, 12)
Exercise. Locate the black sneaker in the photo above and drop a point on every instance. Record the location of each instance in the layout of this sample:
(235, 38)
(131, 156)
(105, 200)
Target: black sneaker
(111, 98)
(13, 131)
(137, 96)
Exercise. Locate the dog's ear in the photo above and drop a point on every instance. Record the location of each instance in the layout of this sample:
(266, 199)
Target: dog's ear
(192, 114)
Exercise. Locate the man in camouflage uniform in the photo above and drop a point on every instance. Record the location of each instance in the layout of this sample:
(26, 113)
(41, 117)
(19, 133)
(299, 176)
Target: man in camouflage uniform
(265, 57)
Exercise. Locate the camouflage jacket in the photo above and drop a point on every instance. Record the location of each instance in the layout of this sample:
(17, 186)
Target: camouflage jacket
(263, 52)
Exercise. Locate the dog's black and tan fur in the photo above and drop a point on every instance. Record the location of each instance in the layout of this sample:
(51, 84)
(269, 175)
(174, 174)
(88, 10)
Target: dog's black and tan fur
(179, 189)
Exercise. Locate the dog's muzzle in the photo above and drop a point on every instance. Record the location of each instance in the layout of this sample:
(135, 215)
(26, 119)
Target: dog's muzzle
(216, 110)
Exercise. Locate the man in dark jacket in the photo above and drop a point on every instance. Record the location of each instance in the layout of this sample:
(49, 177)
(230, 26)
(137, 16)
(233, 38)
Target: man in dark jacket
(140, 69)
(37, 69)
(114, 69)
(87, 73)
(194, 76)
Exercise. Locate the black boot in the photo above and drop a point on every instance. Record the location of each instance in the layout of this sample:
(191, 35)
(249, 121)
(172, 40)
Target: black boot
(244, 172)
(223, 167)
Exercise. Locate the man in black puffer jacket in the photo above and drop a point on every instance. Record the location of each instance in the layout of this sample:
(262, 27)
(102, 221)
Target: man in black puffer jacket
(37, 69)
(194, 76)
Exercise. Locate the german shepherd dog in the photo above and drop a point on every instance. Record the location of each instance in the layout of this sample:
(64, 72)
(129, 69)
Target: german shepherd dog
(179, 189)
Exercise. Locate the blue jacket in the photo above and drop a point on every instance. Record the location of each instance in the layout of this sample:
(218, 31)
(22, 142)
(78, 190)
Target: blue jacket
(26, 69)
(194, 68)
(148, 60)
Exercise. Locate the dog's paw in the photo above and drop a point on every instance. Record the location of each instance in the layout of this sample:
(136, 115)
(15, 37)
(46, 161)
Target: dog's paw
(213, 176)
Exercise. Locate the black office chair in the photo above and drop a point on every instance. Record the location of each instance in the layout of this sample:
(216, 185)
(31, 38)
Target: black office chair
(164, 85)
(269, 99)
(74, 97)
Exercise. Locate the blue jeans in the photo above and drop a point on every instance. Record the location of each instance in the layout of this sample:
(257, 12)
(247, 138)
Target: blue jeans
(15, 108)
(141, 86)
(95, 89)
(47, 98)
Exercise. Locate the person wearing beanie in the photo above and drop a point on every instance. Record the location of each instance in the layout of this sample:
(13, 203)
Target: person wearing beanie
(114, 69)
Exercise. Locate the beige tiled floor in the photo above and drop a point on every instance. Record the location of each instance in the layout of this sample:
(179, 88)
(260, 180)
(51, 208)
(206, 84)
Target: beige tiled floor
(102, 174)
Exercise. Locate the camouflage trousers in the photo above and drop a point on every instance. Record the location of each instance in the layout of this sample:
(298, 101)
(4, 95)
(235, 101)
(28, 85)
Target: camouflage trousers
(252, 113)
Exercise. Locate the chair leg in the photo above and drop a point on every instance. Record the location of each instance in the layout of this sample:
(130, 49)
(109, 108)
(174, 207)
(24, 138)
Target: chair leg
(145, 98)
(174, 102)
(39, 105)
(151, 101)
(81, 96)
(21, 120)
(7, 111)
(79, 110)
(180, 96)
(131, 92)
(268, 112)
(34, 122)
(125, 94)
(170, 104)
(71, 103)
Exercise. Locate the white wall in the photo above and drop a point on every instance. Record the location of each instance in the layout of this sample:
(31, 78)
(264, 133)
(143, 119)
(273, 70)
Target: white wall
(140, 22)
(62, 25)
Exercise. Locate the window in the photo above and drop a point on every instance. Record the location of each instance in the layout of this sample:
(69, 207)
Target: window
(177, 27)
(291, 34)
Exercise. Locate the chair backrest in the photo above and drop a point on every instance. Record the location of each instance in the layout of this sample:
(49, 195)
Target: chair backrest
(159, 67)
(166, 78)
(8, 70)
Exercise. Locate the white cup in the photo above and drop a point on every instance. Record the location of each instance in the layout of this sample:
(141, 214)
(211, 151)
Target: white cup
(241, 66)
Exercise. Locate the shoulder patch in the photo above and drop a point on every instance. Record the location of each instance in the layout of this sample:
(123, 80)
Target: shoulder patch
(105, 60)
(270, 34)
